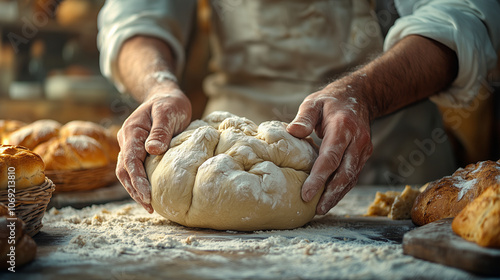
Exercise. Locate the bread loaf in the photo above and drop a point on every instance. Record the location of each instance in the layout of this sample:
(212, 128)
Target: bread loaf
(57, 145)
(446, 197)
(72, 153)
(33, 134)
(105, 138)
(28, 167)
(479, 221)
(25, 247)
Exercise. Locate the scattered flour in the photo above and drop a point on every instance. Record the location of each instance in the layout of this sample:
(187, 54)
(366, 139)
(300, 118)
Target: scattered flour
(329, 247)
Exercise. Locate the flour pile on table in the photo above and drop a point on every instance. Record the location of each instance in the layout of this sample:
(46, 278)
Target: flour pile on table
(122, 232)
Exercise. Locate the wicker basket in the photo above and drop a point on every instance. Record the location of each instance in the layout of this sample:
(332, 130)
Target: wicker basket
(82, 180)
(31, 204)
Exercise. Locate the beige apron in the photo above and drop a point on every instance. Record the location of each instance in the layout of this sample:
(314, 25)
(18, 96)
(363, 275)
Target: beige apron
(268, 55)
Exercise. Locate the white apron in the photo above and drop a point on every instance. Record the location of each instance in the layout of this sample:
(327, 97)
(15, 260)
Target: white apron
(268, 55)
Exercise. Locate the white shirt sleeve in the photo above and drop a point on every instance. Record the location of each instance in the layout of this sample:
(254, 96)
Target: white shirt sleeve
(169, 20)
(470, 28)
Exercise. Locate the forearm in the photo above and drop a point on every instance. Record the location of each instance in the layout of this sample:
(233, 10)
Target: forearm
(143, 63)
(414, 69)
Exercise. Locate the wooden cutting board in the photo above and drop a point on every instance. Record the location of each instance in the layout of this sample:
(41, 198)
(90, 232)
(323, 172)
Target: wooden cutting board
(436, 242)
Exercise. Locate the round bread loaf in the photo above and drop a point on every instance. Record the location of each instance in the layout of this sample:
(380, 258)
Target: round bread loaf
(479, 221)
(28, 167)
(72, 153)
(33, 134)
(225, 172)
(108, 141)
(25, 246)
(446, 197)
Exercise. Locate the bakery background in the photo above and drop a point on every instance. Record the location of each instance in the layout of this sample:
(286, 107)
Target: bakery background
(51, 72)
(49, 63)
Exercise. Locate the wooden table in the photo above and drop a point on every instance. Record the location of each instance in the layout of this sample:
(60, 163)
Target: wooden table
(327, 241)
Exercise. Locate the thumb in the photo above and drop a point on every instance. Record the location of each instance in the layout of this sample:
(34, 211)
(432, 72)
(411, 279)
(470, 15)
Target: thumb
(158, 141)
(305, 121)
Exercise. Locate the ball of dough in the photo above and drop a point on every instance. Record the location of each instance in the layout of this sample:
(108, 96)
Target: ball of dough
(227, 173)
(28, 167)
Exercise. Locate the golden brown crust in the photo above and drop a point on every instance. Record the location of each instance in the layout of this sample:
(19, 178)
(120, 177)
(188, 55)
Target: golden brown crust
(480, 220)
(99, 133)
(33, 134)
(25, 246)
(29, 167)
(72, 153)
(59, 146)
(446, 197)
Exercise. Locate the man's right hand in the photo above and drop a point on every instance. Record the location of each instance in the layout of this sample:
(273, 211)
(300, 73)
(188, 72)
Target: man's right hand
(164, 113)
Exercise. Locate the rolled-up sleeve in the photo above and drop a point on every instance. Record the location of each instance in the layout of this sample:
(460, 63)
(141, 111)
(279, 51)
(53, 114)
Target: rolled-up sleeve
(119, 20)
(470, 28)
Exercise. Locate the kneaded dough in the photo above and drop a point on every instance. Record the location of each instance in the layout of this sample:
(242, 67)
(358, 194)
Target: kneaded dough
(224, 172)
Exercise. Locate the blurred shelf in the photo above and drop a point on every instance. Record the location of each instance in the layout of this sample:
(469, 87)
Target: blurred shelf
(60, 110)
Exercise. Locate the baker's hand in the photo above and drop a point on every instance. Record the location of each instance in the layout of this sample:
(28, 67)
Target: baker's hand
(340, 116)
(149, 129)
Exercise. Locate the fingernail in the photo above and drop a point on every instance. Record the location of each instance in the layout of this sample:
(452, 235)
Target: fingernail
(154, 143)
(308, 196)
(299, 124)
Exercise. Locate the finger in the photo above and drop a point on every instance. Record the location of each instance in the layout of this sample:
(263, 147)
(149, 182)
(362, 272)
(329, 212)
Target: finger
(306, 119)
(161, 131)
(329, 158)
(124, 178)
(345, 177)
(134, 165)
(343, 181)
(135, 132)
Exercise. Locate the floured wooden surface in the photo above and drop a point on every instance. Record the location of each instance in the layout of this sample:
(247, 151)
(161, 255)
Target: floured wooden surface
(120, 240)
(80, 199)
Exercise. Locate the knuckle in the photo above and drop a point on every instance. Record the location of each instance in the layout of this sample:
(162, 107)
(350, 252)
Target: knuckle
(121, 173)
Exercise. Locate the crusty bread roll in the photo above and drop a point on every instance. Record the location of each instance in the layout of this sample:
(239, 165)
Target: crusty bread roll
(33, 134)
(98, 132)
(446, 197)
(72, 153)
(25, 246)
(29, 167)
(479, 221)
